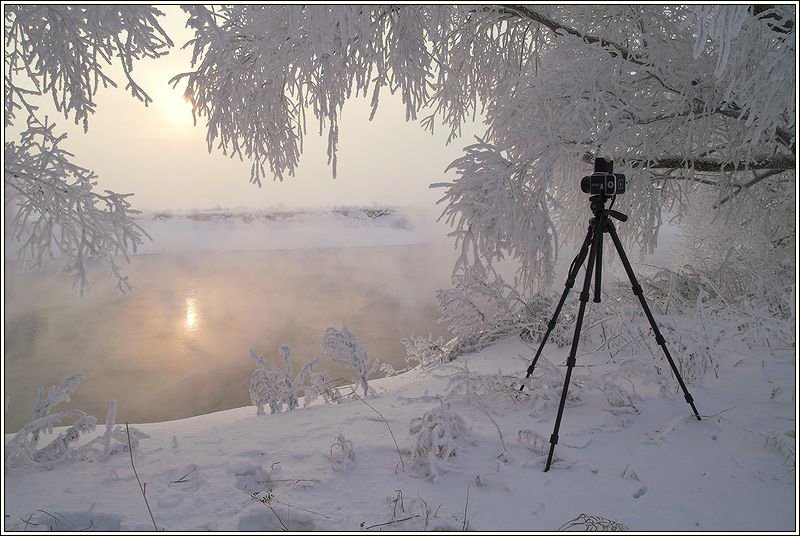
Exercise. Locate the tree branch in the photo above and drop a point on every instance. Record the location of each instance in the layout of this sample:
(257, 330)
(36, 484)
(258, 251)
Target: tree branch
(777, 163)
(558, 28)
(764, 12)
(757, 178)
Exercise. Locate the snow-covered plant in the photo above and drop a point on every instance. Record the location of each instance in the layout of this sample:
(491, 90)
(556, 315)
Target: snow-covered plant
(588, 523)
(275, 387)
(342, 347)
(465, 384)
(61, 52)
(425, 351)
(482, 308)
(57, 394)
(322, 385)
(23, 447)
(437, 439)
(342, 455)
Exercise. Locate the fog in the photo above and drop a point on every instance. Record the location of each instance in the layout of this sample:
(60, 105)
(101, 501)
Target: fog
(213, 285)
(179, 345)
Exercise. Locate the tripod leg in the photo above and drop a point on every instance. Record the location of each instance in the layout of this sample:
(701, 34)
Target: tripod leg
(587, 281)
(637, 289)
(598, 273)
(573, 273)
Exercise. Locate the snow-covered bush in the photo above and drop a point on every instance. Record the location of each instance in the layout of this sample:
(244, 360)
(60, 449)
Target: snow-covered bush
(482, 308)
(471, 387)
(23, 447)
(342, 347)
(342, 455)
(437, 439)
(275, 387)
(587, 523)
(706, 308)
(425, 351)
(322, 385)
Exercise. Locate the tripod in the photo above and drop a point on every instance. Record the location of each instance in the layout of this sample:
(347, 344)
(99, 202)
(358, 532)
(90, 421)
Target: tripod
(593, 246)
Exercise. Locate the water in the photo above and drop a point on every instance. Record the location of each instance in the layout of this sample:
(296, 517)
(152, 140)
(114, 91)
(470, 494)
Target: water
(179, 345)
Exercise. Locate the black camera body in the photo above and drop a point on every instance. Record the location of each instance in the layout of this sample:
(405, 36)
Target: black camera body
(603, 181)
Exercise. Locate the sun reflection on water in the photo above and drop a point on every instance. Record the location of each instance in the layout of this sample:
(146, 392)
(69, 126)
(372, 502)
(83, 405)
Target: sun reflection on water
(191, 314)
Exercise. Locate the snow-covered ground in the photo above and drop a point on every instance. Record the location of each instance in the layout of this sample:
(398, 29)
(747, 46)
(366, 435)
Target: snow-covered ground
(647, 466)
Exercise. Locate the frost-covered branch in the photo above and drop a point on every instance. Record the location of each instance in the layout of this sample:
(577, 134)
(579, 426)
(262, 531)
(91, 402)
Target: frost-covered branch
(63, 50)
(57, 214)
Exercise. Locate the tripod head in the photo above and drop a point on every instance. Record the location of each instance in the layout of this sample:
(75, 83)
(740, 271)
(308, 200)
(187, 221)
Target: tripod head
(598, 205)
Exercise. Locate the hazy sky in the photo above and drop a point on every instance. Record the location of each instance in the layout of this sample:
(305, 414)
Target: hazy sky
(157, 153)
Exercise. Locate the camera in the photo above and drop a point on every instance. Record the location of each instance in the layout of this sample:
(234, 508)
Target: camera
(603, 181)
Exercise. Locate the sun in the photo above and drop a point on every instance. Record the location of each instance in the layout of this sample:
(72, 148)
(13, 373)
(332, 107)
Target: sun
(176, 110)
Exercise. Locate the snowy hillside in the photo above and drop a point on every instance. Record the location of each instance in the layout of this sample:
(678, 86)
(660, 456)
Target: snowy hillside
(629, 456)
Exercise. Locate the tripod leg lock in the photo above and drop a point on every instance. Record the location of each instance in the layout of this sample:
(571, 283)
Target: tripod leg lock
(570, 361)
(554, 439)
(689, 398)
(551, 325)
(584, 296)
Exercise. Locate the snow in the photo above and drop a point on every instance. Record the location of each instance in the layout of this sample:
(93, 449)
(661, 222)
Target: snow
(652, 468)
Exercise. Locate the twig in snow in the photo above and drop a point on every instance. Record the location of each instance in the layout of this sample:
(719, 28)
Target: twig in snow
(142, 488)
(183, 478)
(402, 465)
(499, 433)
(300, 508)
(466, 505)
(266, 500)
(391, 522)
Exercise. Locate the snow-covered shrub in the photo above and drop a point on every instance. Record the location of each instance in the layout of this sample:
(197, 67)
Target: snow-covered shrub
(322, 385)
(274, 387)
(470, 387)
(587, 523)
(23, 448)
(342, 455)
(425, 351)
(625, 334)
(482, 308)
(437, 435)
(342, 347)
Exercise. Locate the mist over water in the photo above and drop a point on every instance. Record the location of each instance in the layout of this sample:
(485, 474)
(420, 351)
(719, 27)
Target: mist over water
(179, 344)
